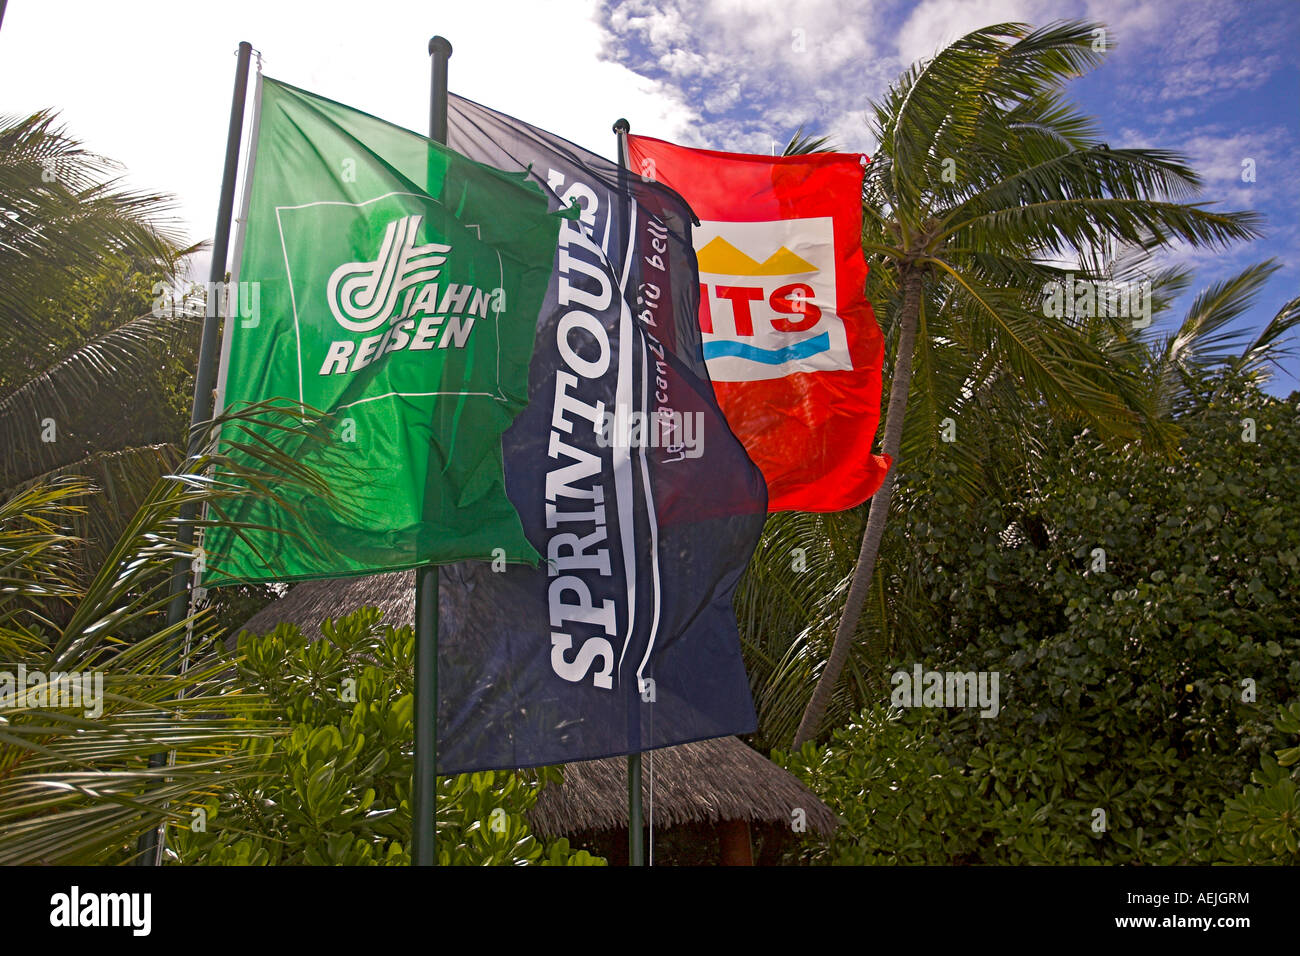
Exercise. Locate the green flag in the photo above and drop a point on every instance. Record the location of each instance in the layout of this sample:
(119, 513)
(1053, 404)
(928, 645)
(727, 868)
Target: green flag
(395, 285)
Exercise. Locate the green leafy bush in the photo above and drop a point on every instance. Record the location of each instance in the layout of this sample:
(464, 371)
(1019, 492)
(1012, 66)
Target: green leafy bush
(1142, 617)
(1262, 823)
(335, 787)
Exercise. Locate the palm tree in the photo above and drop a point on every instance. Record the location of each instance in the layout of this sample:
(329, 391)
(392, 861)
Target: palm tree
(984, 182)
(87, 370)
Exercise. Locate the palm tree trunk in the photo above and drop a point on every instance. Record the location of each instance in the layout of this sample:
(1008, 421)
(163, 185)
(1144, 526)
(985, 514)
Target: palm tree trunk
(875, 532)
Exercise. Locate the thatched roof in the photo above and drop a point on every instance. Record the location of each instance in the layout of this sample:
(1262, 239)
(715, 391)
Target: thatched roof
(311, 602)
(705, 781)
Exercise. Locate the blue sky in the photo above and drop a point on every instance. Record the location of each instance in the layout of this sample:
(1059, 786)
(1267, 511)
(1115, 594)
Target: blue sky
(1217, 81)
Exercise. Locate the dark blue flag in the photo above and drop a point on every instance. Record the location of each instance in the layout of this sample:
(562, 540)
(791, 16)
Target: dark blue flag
(628, 482)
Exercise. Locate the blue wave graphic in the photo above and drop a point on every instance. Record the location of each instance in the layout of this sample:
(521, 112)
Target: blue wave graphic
(800, 350)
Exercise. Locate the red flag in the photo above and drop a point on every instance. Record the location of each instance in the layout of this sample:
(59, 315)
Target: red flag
(789, 337)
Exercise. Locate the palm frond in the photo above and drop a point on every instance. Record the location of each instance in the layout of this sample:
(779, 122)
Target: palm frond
(1267, 348)
(76, 785)
(61, 218)
(73, 383)
(801, 145)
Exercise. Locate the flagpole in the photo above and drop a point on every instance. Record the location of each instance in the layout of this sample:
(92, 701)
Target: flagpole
(150, 843)
(635, 839)
(424, 806)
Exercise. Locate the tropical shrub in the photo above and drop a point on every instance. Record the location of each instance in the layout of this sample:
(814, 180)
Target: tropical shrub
(1262, 823)
(1141, 614)
(334, 787)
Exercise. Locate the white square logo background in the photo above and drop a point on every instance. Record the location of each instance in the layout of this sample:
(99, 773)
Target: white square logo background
(769, 256)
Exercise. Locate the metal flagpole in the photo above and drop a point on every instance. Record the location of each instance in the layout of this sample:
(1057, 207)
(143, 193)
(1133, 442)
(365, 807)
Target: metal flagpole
(635, 836)
(424, 808)
(150, 843)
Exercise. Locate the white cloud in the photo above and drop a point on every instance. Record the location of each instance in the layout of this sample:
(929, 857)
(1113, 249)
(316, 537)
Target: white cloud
(934, 24)
(757, 70)
(1198, 49)
(148, 82)
(1130, 21)
(1219, 156)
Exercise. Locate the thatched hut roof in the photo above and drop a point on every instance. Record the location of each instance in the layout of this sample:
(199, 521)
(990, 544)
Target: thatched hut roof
(703, 782)
(311, 602)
